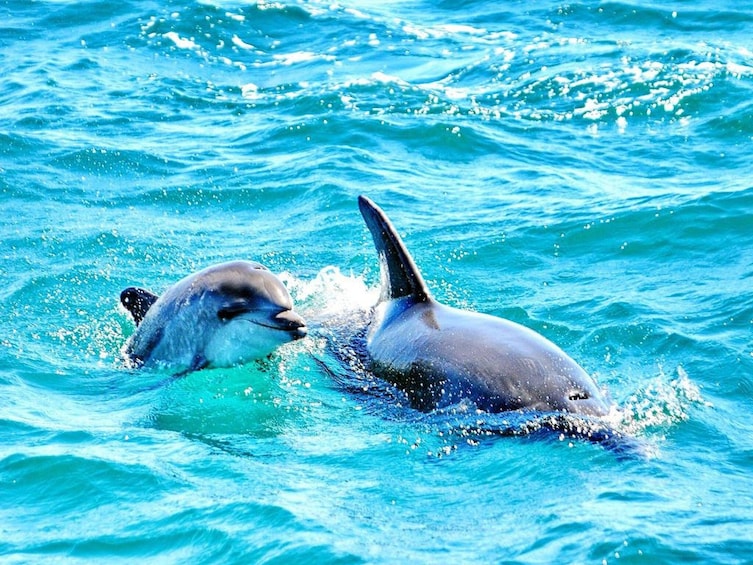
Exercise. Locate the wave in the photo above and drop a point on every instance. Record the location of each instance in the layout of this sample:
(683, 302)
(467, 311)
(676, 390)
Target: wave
(487, 74)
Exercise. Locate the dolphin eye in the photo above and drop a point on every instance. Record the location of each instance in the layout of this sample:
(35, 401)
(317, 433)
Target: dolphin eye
(231, 311)
(578, 395)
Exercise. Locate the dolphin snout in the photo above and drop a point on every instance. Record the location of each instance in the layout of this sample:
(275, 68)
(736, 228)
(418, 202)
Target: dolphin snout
(290, 321)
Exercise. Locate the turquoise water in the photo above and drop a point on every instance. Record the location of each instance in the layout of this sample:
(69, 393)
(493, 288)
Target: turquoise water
(581, 168)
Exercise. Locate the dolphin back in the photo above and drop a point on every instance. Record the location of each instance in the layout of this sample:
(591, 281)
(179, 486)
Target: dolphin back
(403, 278)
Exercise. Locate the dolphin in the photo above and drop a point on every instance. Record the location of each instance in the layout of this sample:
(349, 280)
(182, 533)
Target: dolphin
(439, 355)
(222, 316)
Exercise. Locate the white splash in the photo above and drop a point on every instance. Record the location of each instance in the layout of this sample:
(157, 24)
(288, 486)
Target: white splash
(331, 294)
(180, 42)
(660, 403)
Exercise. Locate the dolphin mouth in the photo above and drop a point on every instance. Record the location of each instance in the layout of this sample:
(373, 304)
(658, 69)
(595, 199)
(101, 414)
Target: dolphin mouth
(286, 321)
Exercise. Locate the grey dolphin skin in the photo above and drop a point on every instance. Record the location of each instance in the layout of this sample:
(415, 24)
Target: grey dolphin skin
(225, 315)
(438, 355)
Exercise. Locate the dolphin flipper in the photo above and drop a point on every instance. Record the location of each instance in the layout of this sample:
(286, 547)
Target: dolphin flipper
(402, 276)
(137, 301)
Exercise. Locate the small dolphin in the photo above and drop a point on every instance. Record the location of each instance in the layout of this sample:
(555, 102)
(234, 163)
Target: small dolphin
(222, 316)
(438, 355)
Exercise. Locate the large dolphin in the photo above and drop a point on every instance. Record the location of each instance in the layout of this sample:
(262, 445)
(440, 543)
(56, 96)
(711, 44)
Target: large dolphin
(438, 355)
(225, 315)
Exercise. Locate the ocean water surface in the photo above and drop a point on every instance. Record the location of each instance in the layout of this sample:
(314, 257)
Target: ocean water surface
(581, 168)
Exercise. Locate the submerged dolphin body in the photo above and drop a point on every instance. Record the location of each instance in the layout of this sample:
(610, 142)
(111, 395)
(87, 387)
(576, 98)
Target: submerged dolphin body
(439, 356)
(225, 315)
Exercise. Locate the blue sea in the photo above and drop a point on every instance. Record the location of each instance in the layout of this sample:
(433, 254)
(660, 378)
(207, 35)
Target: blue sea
(582, 168)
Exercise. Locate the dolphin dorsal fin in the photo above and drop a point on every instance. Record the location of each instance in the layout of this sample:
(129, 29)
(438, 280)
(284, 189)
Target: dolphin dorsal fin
(137, 301)
(400, 276)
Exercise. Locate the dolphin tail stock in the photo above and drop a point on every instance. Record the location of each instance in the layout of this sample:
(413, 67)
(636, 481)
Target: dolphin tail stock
(400, 275)
(557, 427)
(594, 431)
(137, 301)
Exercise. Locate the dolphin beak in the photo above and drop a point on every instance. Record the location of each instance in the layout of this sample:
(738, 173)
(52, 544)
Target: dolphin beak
(289, 321)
